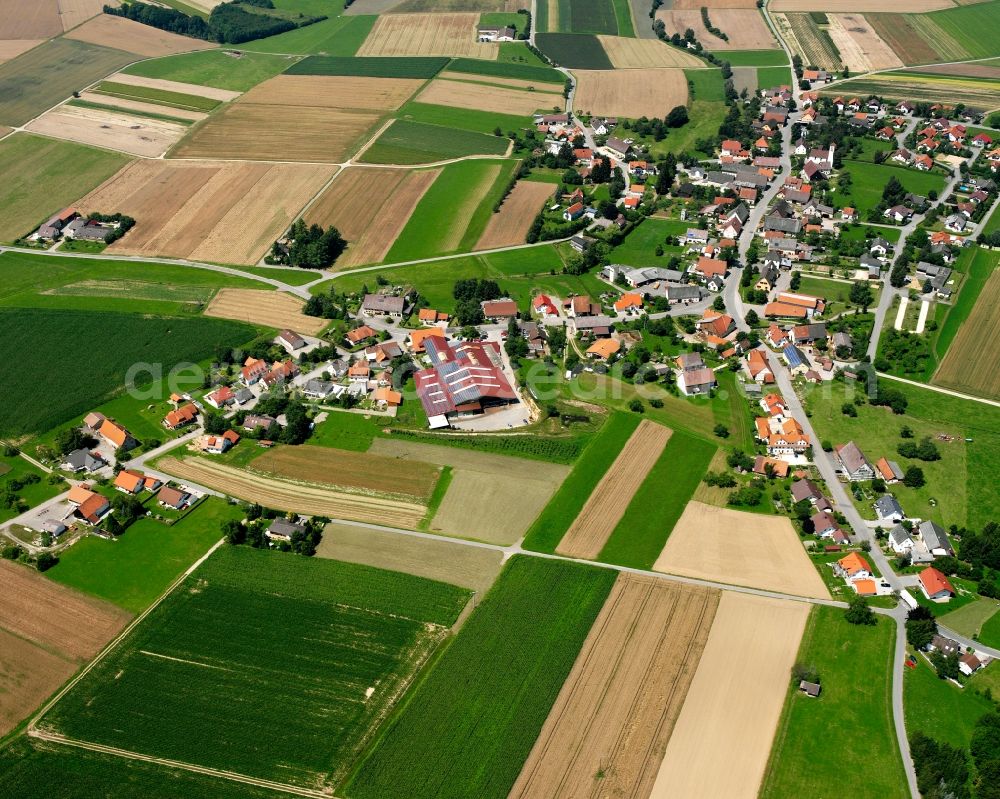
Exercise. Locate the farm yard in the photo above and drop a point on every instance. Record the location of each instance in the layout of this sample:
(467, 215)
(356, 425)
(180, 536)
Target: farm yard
(357, 636)
(627, 53)
(287, 495)
(46, 633)
(860, 47)
(261, 307)
(427, 34)
(111, 129)
(470, 724)
(723, 735)
(630, 93)
(144, 40)
(619, 705)
(480, 484)
(606, 506)
(43, 176)
(976, 343)
(391, 194)
(740, 548)
(511, 223)
(210, 211)
(745, 28)
(474, 568)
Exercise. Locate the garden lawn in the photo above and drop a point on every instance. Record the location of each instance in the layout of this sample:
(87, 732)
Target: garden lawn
(553, 522)
(14, 467)
(658, 504)
(855, 669)
(214, 68)
(639, 246)
(134, 569)
(470, 725)
(869, 179)
(406, 142)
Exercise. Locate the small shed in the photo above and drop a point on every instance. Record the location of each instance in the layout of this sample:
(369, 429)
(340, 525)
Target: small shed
(809, 688)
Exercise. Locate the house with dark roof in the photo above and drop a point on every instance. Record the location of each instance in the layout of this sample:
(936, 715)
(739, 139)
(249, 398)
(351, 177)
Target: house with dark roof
(853, 463)
(383, 305)
(887, 508)
(282, 530)
(936, 539)
(82, 460)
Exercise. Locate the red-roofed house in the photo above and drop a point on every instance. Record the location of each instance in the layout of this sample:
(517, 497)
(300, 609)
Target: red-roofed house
(222, 396)
(543, 305)
(116, 435)
(935, 585)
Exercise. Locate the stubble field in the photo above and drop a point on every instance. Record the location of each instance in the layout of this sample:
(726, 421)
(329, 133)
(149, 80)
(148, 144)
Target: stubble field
(745, 28)
(114, 130)
(145, 40)
(30, 19)
(861, 48)
(174, 86)
(427, 34)
(607, 504)
(218, 212)
(972, 362)
(12, 48)
(903, 38)
(371, 225)
(630, 93)
(626, 53)
(740, 548)
(287, 495)
(511, 223)
(333, 91)
(262, 307)
(723, 736)
(482, 97)
(73, 12)
(618, 707)
(912, 6)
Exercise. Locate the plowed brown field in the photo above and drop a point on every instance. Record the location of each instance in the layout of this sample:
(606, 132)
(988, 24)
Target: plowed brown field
(630, 93)
(134, 37)
(370, 207)
(220, 212)
(723, 736)
(350, 470)
(333, 91)
(618, 707)
(427, 34)
(481, 97)
(28, 674)
(511, 223)
(286, 495)
(271, 308)
(605, 507)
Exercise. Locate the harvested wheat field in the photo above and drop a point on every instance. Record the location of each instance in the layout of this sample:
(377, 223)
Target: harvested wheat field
(722, 739)
(740, 548)
(113, 130)
(350, 470)
(219, 212)
(333, 91)
(861, 48)
(28, 674)
(863, 6)
(493, 80)
(134, 37)
(481, 97)
(141, 107)
(427, 34)
(278, 133)
(607, 504)
(626, 53)
(511, 223)
(972, 359)
(631, 93)
(697, 4)
(457, 564)
(480, 484)
(260, 307)
(618, 707)
(73, 12)
(745, 28)
(298, 497)
(12, 48)
(174, 86)
(30, 19)
(371, 227)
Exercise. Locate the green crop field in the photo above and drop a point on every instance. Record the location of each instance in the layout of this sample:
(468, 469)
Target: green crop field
(974, 27)
(260, 663)
(32, 769)
(960, 484)
(757, 58)
(654, 510)
(855, 669)
(214, 68)
(61, 342)
(13, 467)
(51, 72)
(413, 67)
(869, 179)
(405, 142)
(497, 69)
(338, 36)
(135, 569)
(42, 176)
(462, 118)
(454, 210)
(469, 726)
(588, 16)
(595, 460)
(158, 96)
(576, 51)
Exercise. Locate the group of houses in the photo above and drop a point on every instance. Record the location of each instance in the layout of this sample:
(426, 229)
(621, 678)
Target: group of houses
(71, 224)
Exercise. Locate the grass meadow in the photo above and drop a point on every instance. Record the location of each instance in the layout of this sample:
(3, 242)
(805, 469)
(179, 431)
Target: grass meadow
(470, 725)
(706, 109)
(372, 67)
(42, 176)
(13, 467)
(405, 142)
(970, 26)
(499, 69)
(214, 68)
(757, 58)
(462, 118)
(260, 663)
(588, 16)
(336, 36)
(544, 535)
(990, 632)
(869, 179)
(654, 510)
(846, 735)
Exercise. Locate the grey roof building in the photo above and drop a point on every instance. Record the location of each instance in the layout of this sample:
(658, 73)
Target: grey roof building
(888, 507)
